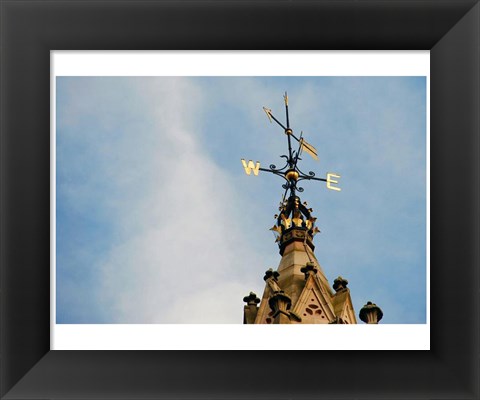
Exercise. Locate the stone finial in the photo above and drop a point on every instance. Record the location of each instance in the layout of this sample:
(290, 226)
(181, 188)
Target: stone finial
(270, 273)
(250, 310)
(370, 313)
(280, 303)
(251, 299)
(308, 269)
(271, 277)
(339, 284)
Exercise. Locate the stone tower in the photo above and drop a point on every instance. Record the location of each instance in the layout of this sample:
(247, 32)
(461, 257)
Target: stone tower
(298, 291)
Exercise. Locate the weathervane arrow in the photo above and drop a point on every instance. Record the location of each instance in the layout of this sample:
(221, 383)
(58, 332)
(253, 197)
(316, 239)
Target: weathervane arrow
(312, 151)
(270, 117)
(290, 172)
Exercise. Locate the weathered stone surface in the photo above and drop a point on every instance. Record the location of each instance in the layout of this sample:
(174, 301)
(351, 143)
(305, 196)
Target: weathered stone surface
(339, 284)
(280, 304)
(370, 313)
(251, 309)
(301, 278)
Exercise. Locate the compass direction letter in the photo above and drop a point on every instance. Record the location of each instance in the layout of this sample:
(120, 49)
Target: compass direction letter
(331, 181)
(251, 167)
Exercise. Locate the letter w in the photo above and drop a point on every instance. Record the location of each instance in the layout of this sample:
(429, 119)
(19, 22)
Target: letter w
(251, 166)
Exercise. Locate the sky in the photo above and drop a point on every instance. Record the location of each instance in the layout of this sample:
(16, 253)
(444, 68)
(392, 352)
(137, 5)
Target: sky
(157, 222)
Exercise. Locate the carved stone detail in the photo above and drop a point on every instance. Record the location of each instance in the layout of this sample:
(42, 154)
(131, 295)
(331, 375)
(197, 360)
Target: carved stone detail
(339, 284)
(309, 269)
(370, 313)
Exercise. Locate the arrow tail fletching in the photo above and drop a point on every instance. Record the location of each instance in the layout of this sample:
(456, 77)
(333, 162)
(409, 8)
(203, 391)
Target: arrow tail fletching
(308, 148)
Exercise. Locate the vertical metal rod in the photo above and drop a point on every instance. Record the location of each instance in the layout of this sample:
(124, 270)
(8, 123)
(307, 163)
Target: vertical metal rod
(285, 97)
(291, 161)
(290, 156)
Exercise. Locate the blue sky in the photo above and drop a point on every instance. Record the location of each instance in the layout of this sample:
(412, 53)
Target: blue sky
(157, 222)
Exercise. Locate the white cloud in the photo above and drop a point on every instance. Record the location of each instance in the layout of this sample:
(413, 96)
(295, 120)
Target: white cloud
(178, 251)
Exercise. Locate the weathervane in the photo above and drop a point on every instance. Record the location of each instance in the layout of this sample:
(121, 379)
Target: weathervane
(290, 172)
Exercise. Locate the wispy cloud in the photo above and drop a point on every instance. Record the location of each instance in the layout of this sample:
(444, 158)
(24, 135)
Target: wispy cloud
(168, 205)
(157, 223)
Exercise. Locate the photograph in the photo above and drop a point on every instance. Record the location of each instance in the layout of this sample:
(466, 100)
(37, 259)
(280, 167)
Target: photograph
(241, 199)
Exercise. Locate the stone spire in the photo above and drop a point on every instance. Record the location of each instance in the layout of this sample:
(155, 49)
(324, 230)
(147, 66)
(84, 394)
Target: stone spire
(298, 291)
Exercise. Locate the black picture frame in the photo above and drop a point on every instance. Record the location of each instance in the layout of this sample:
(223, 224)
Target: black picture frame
(30, 29)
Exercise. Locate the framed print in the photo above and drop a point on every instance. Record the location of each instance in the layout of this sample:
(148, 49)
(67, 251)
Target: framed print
(32, 31)
(114, 107)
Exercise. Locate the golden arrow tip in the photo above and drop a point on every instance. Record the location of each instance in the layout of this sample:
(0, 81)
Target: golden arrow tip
(268, 112)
